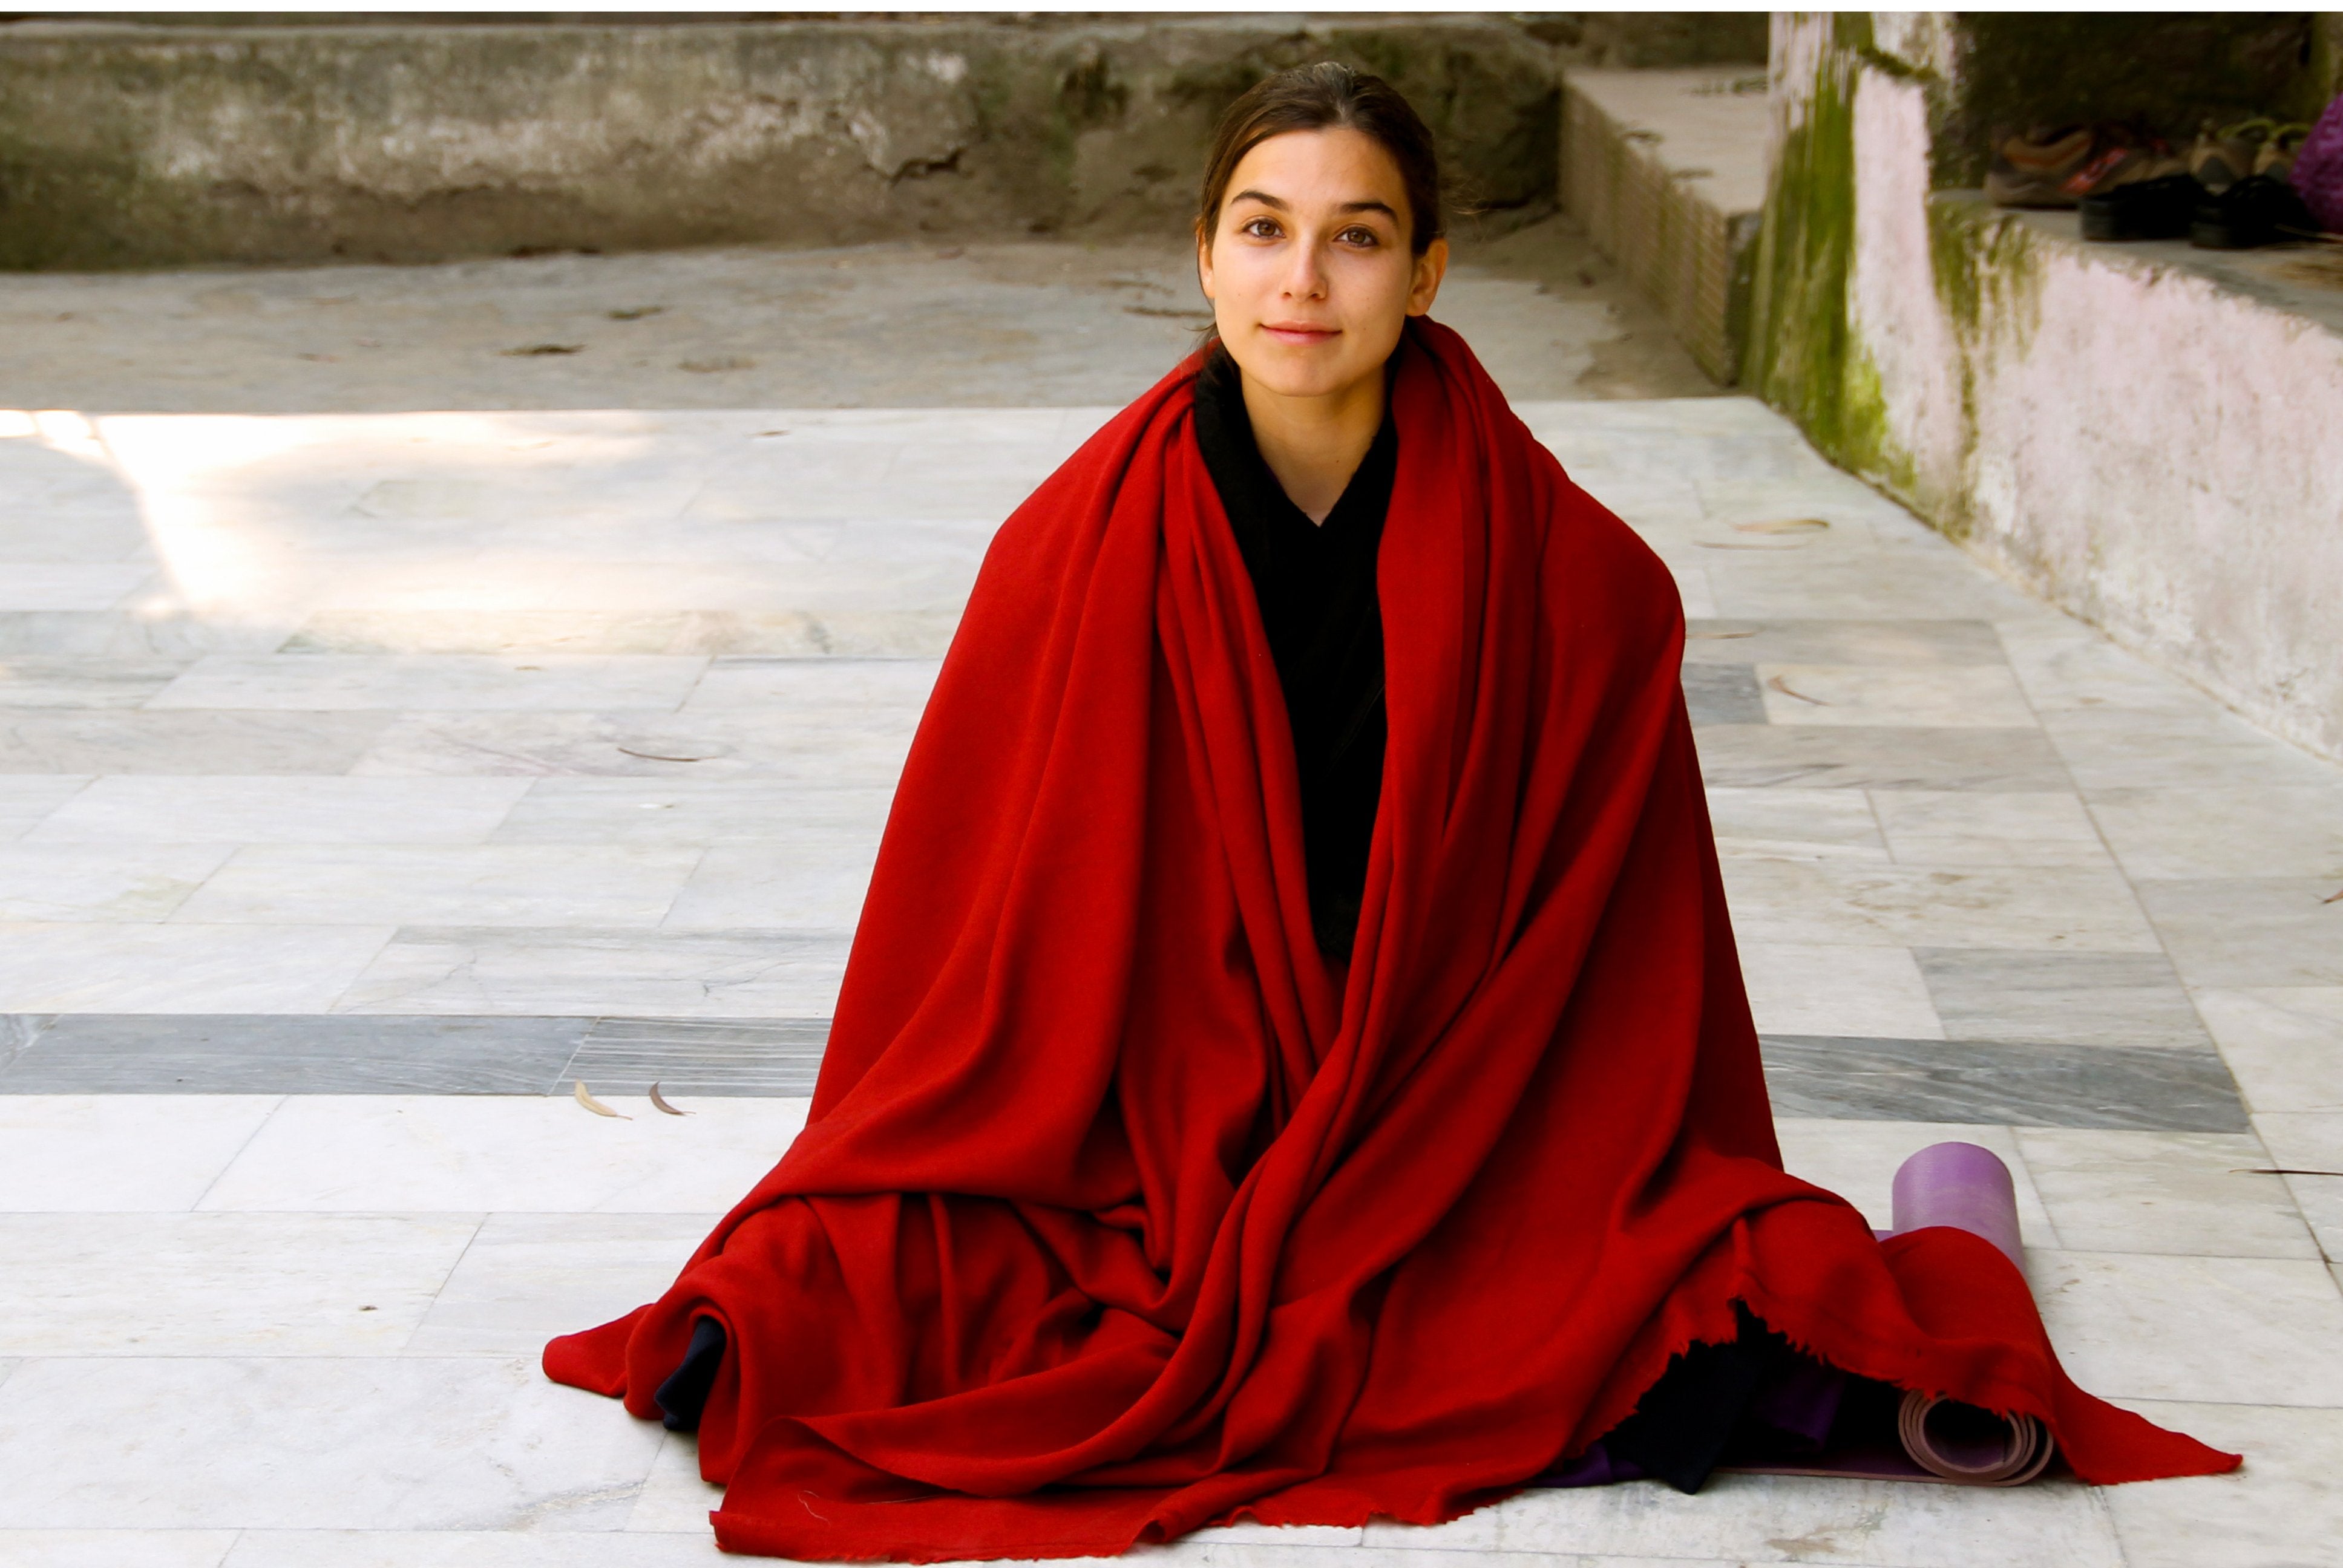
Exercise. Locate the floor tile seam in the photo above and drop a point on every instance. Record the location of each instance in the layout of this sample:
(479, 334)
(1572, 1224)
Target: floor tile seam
(197, 1204)
(446, 1278)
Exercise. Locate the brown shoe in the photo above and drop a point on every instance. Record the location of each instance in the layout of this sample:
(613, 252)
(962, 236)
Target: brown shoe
(2033, 169)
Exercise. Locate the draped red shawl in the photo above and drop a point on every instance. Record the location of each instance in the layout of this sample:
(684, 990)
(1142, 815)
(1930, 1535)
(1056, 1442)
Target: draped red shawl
(1122, 1211)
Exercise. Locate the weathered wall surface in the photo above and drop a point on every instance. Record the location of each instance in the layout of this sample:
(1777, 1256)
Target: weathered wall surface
(128, 147)
(2151, 451)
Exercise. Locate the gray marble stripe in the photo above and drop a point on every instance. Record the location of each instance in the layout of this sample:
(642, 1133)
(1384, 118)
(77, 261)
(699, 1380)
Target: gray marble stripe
(2045, 1085)
(703, 1056)
(224, 1053)
(2138, 1088)
(228, 1053)
(1723, 694)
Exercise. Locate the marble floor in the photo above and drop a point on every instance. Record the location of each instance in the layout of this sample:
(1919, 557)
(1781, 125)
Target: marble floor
(368, 775)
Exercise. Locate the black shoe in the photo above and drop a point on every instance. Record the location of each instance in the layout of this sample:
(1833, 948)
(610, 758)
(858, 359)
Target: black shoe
(2256, 210)
(2145, 210)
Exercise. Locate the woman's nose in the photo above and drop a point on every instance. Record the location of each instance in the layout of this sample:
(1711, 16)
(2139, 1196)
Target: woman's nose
(1305, 278)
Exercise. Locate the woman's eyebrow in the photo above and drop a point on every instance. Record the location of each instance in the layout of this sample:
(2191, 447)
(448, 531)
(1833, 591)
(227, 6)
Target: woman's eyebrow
(1268, 200)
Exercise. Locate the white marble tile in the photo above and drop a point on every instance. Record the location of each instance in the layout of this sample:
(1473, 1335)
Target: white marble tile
(1869, 586)
(61, 585)
(674, 1500)
(2253, 1331)
(82, 681)
(805, 887)
(527, 1277)
(115, 1548)
(421, 1153)
(2201, 745)
(48, 742)
(119, 1153)
(2281, 1509)
(1859, 1159)
(314, 1442)
(1970, 828)
(614, 885)
(2282, 1043)
(1754, 1518)
(2240, 830)
(1979, 697)
(2073, 908)
(1794, 824)
(2310, 1140)
(668, 974)
(837, 747)
(2065, 666)
(2256, 932)
(1799, 988)
(692, 812)
(27, 799)
(330, 681)
(91, 966)
(278, 810)
(186, 1284)
(2183, 1193)
(52, 881)
(793, 686)
(516, 1548)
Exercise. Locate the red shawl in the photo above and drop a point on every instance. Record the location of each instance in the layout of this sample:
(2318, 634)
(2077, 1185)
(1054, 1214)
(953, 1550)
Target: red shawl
(1121, 1211)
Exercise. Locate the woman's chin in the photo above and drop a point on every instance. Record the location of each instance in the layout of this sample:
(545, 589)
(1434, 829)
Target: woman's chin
(1302, 373)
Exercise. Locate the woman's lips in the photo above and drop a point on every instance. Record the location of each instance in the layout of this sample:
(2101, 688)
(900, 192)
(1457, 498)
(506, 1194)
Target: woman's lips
(1298, 333)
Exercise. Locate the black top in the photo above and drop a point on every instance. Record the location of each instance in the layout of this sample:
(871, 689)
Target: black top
(1316, 585)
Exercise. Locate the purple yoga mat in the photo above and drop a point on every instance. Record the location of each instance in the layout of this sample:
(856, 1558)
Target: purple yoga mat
(1961, 1185)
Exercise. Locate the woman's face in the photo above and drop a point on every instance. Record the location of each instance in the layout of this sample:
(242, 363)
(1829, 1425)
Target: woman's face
(1308, 271)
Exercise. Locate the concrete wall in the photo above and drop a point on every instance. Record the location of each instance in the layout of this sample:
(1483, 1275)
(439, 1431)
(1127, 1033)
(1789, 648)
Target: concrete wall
(2149, 446)
(160, 145)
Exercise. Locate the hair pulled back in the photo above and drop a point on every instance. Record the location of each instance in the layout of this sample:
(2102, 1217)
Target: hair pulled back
(1322, 98)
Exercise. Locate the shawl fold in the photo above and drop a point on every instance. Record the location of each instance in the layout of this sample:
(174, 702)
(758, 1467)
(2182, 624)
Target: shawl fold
(1121, 1210)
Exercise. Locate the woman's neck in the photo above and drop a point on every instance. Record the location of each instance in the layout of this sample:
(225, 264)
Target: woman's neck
(1313, 444)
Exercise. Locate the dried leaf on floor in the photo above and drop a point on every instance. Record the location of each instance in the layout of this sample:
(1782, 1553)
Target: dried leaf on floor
(658, 1103)
(1778, 684)
(1782, 525)
(594, 1105)
(537, 350)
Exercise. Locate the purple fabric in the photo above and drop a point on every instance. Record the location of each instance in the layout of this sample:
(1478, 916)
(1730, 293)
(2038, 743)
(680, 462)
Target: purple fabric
(1595, 1467)
(2319, 169)
(1960, 1185)
(1802, 1403)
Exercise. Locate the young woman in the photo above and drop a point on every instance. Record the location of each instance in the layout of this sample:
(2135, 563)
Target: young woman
(1293, 1061)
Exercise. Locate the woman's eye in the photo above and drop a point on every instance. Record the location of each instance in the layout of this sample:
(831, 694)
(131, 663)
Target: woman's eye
(1361, 237)
(1260, 228)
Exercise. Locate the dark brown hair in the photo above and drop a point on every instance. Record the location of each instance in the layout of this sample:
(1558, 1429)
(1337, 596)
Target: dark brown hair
(1322, 98)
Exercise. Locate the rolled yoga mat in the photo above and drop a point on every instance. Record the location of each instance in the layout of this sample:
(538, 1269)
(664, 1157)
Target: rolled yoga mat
(1815, 1420)
(1969, 1189)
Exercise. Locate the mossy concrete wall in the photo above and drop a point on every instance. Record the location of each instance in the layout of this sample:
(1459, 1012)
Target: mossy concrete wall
(146, 145)
(2149, 449)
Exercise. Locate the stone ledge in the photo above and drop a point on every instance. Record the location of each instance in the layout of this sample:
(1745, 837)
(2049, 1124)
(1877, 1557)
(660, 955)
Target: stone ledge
(2304, 280)
(1666, 168)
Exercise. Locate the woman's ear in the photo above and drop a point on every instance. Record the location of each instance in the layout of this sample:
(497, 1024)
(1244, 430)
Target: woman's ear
(1203, 261)
(1430, 268)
